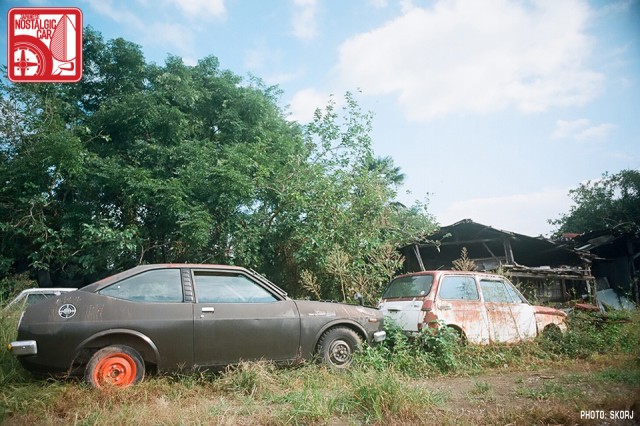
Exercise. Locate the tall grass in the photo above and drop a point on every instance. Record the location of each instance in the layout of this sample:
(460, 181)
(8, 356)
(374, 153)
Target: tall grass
(440, 351)
(388, 384)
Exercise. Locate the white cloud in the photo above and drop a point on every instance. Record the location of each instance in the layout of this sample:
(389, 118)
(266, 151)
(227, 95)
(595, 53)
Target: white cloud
(462, 56)
(304, 22)
(118, 14)
(522, 213)
(200, 8)
(598, 132)
(285, 77)
(174, 37)
(581, 130)
(305, 102)
(379, 4)
(406, 5)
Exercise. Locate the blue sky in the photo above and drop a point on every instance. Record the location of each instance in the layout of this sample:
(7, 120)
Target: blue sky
(493, 109)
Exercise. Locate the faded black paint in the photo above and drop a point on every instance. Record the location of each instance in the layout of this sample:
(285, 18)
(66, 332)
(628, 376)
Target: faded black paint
(177, 336)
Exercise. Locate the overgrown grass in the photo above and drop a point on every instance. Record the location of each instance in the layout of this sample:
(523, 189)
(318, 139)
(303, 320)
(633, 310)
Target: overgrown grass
(440, 352)
(389, 384)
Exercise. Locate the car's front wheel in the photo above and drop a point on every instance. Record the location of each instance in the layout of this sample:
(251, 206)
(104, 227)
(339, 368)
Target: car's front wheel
(337, 347)
(117, 365)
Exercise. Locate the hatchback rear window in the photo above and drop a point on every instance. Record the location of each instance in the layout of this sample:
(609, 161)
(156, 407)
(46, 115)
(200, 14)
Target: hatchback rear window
(413, 286)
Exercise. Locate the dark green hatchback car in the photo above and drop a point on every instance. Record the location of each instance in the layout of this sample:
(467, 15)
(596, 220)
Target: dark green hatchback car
(174, 317)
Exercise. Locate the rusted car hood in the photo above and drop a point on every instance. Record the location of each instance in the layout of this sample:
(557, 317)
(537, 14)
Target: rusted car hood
(545, 310)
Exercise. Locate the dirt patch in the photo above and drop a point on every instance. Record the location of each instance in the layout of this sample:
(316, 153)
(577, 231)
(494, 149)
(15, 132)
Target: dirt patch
(582, 393)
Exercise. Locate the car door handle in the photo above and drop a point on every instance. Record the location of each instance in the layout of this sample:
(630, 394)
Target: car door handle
(444, 306)
(207, 310)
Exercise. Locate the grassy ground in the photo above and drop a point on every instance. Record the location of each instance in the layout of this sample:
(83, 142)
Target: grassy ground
(594, 367)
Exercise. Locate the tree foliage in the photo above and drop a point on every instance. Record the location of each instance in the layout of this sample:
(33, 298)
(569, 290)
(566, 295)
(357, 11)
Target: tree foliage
(612, 202)
(142, 163)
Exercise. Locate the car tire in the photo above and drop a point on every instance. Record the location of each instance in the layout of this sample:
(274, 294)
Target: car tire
(337, 346)
(119, 366)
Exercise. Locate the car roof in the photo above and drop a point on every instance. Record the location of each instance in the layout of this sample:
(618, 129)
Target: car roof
(142, 268)
(440, 272)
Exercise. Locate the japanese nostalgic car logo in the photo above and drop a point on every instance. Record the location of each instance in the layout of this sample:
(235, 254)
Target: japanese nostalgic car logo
(44, 44)
(67, 311)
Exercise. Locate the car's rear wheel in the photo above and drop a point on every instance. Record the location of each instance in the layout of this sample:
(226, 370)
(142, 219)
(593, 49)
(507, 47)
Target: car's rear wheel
(119, 366)
(337, 347)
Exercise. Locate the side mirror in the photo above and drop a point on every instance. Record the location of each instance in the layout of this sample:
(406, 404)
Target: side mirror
(358, 298)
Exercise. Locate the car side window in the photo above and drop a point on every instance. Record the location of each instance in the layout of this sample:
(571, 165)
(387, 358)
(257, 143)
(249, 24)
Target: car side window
(516, 297)
(411, 286)
(35, 298)
(498, 291)
(155, 286)
(494, 291)
(229, 288)
(458, 288)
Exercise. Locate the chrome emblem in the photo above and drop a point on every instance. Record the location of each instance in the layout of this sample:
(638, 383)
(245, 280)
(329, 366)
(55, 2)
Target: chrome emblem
(67, 311)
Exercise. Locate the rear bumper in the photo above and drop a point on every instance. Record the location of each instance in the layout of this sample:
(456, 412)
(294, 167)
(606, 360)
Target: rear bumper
(379, 336)
(23, 347)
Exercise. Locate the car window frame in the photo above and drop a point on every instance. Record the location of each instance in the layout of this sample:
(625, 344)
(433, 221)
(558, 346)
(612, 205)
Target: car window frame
(511, 285)
(471, 277)
(506, 296)
(276, 296)
(406, 296)
(179, 276)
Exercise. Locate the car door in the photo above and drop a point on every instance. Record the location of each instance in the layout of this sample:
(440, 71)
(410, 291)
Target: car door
(458, 303)
(511, 319)
(525, 316)
(236, 318)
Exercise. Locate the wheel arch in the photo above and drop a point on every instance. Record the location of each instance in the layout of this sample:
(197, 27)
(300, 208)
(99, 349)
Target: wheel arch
(134, 339)
(458, 329)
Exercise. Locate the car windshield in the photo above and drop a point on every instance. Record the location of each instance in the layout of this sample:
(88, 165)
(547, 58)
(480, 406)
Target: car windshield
(411, 286)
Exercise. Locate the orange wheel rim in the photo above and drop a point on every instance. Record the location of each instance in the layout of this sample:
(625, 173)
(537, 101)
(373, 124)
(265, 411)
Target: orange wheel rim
(116, 370)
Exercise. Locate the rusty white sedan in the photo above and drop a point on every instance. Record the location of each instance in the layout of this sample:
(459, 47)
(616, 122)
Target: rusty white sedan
(481, 308)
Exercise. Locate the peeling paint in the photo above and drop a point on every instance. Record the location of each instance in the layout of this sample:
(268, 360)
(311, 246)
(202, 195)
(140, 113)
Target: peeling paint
(486, 308)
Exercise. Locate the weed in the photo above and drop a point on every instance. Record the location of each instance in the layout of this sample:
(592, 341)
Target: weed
(249, 378)
(549, 390)
(434, 350)
(388, 397)
(386, 385)
(10, 369)
(630, 377)
(11, 286)
(482, 391)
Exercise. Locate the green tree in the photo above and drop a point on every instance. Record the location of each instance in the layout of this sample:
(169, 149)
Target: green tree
(145, 163)
(612, 202)
(343, 229)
